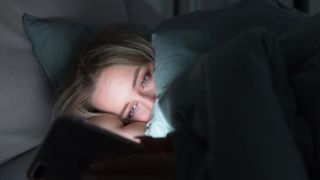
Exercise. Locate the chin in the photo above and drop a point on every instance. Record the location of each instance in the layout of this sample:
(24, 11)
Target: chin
(146, 120)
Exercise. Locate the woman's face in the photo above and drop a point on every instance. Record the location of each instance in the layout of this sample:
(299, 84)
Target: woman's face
(125, 90)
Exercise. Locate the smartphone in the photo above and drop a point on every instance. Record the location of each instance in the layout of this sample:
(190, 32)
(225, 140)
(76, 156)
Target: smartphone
(71, 144)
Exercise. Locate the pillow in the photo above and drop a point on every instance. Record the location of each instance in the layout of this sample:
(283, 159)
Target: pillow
(178, 41)
(54, 44)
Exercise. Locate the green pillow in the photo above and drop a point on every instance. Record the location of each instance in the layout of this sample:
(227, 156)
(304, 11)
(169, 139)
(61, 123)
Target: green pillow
(179, 41)
(54, 44)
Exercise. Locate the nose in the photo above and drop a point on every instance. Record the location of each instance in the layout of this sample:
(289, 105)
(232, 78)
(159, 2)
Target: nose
(148, 96)
(147, 99)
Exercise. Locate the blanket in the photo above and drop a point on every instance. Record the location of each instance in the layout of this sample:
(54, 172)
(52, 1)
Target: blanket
(236, 115)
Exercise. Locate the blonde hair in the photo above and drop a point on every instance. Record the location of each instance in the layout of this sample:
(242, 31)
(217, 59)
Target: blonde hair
(114, 46)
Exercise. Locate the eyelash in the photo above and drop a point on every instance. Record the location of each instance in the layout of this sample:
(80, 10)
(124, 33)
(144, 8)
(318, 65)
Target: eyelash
(145, 80)
(132, 110)
(143, 84)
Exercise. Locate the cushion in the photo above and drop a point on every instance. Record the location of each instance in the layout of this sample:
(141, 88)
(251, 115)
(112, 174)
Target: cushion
(178, 41)
(55, 44)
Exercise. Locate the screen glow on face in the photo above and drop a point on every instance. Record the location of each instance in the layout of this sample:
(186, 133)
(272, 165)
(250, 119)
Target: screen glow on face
(127, 91)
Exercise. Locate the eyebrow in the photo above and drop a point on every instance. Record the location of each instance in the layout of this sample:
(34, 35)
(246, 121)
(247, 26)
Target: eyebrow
(135, 76)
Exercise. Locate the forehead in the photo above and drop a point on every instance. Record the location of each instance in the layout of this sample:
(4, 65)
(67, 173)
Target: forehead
(114, 74)
(118, 68)
(111, 87)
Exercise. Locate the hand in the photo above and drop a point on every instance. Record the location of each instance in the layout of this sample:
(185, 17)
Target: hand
(114, 124)
(160, 145)
(150, 166)
(157, 165)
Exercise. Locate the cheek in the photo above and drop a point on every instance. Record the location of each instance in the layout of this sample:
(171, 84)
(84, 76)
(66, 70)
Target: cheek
(144, 114)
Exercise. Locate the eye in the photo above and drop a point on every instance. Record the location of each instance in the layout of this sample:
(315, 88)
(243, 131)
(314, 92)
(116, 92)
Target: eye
(145, 79)
(131, 111)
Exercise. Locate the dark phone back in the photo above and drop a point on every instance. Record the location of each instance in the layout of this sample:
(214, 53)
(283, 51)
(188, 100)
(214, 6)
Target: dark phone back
(71, 144)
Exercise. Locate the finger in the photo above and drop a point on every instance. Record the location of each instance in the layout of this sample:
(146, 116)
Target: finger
(157, 144)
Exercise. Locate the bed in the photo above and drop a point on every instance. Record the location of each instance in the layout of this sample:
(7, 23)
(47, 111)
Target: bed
(191, 40)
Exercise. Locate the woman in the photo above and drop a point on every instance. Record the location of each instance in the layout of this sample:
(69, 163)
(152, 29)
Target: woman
(112, 77)
(229, 122)
(112, 85)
